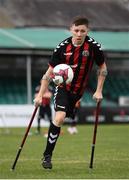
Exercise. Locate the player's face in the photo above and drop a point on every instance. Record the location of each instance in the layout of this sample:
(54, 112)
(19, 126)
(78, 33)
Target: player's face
(79, 33)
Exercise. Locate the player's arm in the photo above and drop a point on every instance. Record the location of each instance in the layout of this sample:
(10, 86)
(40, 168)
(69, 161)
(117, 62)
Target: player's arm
(44, 85)
(55, 59)
(101, 73)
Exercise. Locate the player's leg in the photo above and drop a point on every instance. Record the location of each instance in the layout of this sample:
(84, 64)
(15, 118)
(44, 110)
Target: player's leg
(64, 106)
(53, 135)
(72, 129)
(74, 122)
(60, 104)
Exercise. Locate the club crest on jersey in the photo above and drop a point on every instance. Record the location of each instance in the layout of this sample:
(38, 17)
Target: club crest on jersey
(85, 53)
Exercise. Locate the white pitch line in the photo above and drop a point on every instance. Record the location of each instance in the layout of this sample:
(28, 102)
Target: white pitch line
(20, 40)
(61, 160)
(54, 161)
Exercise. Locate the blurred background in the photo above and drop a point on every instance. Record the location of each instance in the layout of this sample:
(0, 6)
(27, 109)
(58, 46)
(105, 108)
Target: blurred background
(29, 32)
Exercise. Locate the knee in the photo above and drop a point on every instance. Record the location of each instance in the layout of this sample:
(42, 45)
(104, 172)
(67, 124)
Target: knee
(59, 118)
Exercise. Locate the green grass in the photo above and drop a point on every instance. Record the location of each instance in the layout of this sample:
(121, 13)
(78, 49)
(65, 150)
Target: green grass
(71, 156)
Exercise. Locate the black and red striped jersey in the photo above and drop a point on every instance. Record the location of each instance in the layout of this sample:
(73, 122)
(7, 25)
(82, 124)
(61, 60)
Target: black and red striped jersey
(80, 58)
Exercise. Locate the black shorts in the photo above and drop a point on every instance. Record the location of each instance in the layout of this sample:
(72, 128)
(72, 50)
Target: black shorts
(65, 101)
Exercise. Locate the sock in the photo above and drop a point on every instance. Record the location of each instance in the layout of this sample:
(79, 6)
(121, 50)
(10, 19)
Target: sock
(53, 134)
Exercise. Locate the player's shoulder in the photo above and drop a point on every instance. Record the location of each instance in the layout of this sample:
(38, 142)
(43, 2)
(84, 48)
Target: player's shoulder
(94, 43)
(66, 41)
(62, 44)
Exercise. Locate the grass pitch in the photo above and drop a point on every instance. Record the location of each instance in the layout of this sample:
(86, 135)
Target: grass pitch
(72, 154)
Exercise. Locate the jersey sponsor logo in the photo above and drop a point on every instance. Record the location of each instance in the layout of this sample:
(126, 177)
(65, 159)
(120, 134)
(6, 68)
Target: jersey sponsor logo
(85, 53)
(68, 54)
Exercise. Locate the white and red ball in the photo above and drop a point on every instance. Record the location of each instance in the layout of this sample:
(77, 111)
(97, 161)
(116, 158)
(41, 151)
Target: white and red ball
(62, 73)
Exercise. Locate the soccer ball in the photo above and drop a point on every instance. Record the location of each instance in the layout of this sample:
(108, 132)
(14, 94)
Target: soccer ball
(62, 74)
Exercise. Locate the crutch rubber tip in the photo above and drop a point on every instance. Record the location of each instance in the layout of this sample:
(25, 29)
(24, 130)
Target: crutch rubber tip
(12, 169)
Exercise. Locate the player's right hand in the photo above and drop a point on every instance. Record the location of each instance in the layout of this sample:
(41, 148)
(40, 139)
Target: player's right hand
(37, 101)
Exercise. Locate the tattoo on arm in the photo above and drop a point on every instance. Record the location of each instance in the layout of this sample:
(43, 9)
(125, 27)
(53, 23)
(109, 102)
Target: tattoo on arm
(45, 77)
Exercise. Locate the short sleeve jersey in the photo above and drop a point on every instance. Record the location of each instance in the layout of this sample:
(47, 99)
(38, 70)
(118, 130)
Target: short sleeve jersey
(80, 58)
